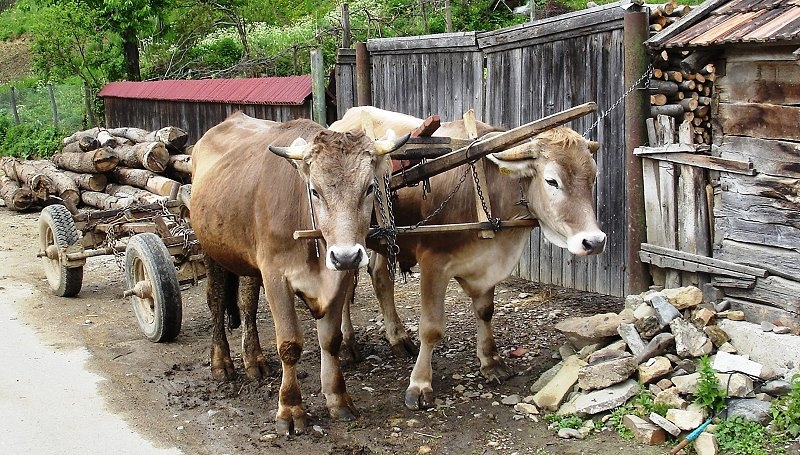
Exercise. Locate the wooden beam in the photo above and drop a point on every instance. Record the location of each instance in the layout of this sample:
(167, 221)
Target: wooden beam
(707, 162)
(668, 262)
(480, 149)
(731, 266)
(669, 148)
(435, 228)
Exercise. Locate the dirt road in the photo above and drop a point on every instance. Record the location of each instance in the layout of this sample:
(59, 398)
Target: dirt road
(164, 392)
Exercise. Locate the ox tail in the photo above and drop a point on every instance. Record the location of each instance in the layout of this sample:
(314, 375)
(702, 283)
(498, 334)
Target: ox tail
(234, 315)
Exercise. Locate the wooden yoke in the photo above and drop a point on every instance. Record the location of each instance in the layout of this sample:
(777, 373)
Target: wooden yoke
(471, 125)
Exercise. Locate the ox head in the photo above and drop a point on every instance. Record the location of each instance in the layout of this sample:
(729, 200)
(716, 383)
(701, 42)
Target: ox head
(562, 176)
(340, 170)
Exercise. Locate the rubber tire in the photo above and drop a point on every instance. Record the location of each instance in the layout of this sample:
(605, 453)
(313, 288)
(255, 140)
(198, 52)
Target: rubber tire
(56, 227)
(159, 317)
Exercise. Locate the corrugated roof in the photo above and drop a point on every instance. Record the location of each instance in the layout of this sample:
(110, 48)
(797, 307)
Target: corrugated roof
(735, 21)
(263, 90)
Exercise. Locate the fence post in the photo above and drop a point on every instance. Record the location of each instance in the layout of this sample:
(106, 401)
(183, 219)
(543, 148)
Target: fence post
(636, 63)
(13, 100)
(53, 104)
(318, 87)
(363, 77)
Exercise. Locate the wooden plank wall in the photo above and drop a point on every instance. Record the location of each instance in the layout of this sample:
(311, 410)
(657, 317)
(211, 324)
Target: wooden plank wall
(538, 69)
(757, 217)
(194, 118)
(345, 73)
(532, 70)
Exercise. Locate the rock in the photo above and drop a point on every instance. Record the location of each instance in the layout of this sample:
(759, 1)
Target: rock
(706, 444)
(526, 408)
(685, 297)
(511, 400)
(546, 377)
(566, 350)
(570, 433)
(686, 384)
(723, 305)
(767, 326)
(657, 346)
(764, 397)
(729, 348)
(633, 301)
(605, 355)
(689, 340)
(552, 394)
(626, 316)
(654, 389)
(733, 315)
(613, 350)
(777, 388)
(782, 329)
(664, 384)
(632, 338)
(649, 326)
(662, 422)
(716, 335)
(605, 399)
(702, 316)
(750, 409)
(654, 369)
(671, 398)
(644, 431)
(726, 362)
(664, 311)
(736, 385)
(588, 350)
(604, 374)
(685, 419)
(585, 331)
(643, 311)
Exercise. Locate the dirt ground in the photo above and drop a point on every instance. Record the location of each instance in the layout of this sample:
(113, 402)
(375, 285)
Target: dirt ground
(165, 391)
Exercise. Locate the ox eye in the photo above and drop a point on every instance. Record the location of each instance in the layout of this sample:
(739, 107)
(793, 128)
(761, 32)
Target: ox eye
(552, 182)
(314, 193)
(370, 189)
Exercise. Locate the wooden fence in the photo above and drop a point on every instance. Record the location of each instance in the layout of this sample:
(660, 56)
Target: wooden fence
(516, 75)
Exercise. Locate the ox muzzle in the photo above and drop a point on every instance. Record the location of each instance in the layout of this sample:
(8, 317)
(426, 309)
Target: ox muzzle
(346, 257)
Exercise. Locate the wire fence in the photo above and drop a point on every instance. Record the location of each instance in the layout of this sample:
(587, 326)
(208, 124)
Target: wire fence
(60, 105)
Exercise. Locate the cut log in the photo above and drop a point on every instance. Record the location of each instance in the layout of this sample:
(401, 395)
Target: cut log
(106, 139)
(82, 144)
(658, 99)
(89, 182)
(105, 201)
(39, 183)
(173, 137)
(152, 156)
(94, 162)
(695, 61)
(665, 87)
(675, 76)
(130, 133)
(672, 110)
(7, 165)
(689, 105)
(142, 178)
(181, 163)
(15, 196)
(127, 191)
(687, 85)
(91, 132)
(65, 187)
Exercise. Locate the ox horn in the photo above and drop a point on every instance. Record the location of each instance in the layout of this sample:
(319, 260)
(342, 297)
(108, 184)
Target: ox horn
(594, 146)
(296, 151)
(520, 152)
(384, 146)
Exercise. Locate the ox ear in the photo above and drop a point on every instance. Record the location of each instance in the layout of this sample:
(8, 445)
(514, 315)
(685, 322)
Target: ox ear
(296, 151)
(593, 146)
(390, 143)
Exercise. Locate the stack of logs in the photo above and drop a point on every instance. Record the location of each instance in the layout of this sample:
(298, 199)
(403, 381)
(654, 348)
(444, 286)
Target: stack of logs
(101, 168)
(682, 81)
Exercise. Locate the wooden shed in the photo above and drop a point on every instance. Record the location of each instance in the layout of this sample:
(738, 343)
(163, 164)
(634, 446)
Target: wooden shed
(197, 105)
(747, 183)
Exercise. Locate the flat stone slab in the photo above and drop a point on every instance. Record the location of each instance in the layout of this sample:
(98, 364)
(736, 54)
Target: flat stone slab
(605, 399)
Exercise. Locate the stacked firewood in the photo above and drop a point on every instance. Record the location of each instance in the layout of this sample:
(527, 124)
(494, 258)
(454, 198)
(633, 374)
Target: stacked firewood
(682, 81)
(101, 168)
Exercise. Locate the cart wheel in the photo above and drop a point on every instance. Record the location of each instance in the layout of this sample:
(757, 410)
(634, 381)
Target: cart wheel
(57, 230)
(153, 287)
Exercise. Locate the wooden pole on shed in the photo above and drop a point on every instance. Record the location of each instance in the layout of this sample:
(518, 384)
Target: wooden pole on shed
(345, 25)
(318, 87)
(363, 76)
(636, 63)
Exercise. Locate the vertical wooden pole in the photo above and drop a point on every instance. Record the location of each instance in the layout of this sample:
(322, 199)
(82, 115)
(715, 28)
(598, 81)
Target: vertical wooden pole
(13, 101)
(89, 107)
(448, 17)
(363, 76)
(53, 104)
(318, 87)
(346, 25)
(636, 63)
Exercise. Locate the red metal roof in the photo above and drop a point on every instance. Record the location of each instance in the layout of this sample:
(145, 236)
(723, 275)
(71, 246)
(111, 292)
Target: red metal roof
(735, 21)
(263, 90)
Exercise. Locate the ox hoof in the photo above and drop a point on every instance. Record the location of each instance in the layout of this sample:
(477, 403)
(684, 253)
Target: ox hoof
(258, 372)
(497, 373)
(417, 399)
(343, 413)
(291, 427)
(405, 347)
(351, 353)
(224, 373)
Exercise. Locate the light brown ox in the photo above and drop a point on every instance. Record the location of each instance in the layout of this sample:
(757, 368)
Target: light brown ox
(555, 173)
(246, 204)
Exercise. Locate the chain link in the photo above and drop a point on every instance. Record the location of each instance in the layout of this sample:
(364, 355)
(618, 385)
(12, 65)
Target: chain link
(495, 222)
(644, 77)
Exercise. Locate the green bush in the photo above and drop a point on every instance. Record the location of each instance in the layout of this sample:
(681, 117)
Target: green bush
(29, 140)
(741, 437)
(786, 413)
(709, 394)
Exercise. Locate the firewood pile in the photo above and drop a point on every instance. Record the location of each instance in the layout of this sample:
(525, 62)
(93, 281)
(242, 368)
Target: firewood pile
(101, 168)
(682, 81)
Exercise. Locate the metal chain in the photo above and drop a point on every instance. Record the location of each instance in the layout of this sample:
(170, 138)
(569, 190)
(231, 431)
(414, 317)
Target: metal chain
(494, 222)
(644, 77)
(388, 230)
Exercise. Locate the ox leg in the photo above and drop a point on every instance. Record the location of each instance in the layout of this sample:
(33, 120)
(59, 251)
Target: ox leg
(351, 350)
(291, 418)
(338, 401)
(433, 287)
(221, 288)
(255, 363)
(401, 343)
(493, 368)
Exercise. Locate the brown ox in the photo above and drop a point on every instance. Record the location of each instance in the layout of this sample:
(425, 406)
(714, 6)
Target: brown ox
(549, 179)
(246, 204)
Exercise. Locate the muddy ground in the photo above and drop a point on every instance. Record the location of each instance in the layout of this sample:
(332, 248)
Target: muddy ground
(166, 393)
